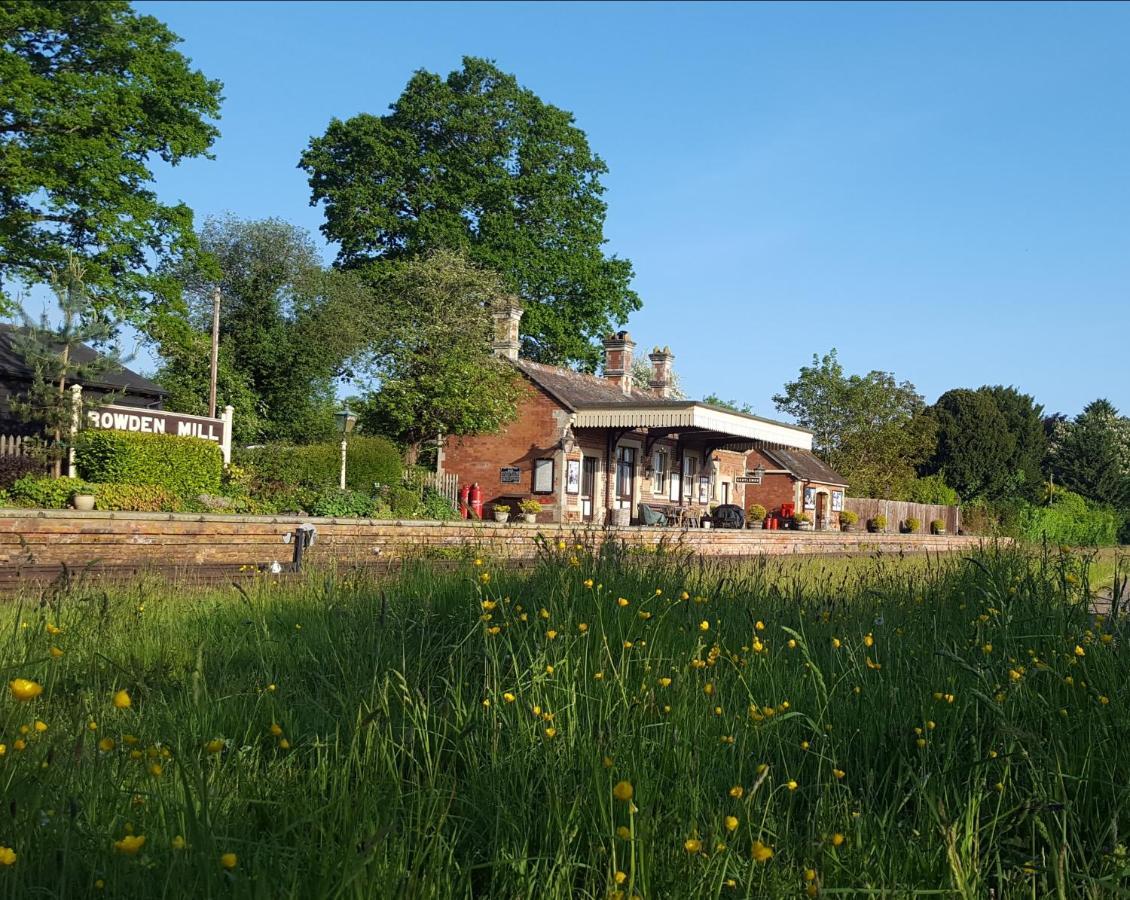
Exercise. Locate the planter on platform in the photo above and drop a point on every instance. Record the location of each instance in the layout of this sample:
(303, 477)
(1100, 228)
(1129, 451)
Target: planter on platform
(83, 502)
(529, 518)
(501, 513)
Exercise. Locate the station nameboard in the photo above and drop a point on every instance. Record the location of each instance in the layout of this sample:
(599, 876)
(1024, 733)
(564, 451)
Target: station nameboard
(748, 479)
(157, 421)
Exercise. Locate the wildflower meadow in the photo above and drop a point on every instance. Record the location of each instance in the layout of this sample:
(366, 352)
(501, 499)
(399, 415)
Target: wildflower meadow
(604, 725)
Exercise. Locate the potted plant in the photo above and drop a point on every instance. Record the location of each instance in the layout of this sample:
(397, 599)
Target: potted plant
(803, 521)
(848, 520)
(913, 525)
(877, 524)
(755, 516)
(501, 512)
(529, 509)
(938, 526)
(83, 501)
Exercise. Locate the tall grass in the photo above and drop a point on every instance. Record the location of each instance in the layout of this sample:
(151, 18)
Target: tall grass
(948, 727)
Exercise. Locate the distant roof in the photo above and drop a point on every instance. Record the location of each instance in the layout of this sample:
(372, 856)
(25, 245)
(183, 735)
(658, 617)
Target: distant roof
(805, 465)
(118, 379)
(576, 389)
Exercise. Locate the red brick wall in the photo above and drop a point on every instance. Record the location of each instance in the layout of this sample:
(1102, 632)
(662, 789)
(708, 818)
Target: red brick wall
(535, 434)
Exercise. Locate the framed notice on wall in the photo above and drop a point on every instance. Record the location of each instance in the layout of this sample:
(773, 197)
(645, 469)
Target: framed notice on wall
(837, 501)
(810, 498)
(573, 476)
(543, 476)
(510, 475)
(703, 488)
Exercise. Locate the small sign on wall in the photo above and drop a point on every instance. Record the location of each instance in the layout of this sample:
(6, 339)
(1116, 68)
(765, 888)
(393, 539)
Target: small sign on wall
(573, 476)
(510, 475)
(837, 501)
(543, 476)
(810, 498)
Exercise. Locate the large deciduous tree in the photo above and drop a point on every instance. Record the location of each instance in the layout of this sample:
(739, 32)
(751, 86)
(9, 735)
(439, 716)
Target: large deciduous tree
(91, 94)
(436, 373)
(869, 427)
(288, 329)
(1090, 454)
(475, 162)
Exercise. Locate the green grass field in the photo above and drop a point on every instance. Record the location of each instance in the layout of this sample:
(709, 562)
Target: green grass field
(600, 727)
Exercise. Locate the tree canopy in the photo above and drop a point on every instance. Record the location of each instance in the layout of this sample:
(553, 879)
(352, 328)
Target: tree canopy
(474, 162)
(1090, 454)
(288, 329)
(868, 427)
(93, 92)
(433, 363)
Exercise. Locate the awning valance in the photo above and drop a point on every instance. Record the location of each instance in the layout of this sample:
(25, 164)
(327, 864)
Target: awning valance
(694, 417)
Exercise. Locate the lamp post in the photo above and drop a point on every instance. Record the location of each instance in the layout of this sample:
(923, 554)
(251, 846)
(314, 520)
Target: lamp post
(345, 422)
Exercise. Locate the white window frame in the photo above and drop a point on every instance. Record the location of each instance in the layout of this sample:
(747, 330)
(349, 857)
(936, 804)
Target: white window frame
(659, 471)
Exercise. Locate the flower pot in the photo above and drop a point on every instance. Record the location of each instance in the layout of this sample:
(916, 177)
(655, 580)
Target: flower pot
(847, 526)
(939, 531)
(756, 524)
(804, 526)
(501, 516)
(529, 518)
(83, 502)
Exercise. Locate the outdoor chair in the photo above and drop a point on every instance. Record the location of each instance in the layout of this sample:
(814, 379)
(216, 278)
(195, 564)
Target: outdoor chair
(649, 516)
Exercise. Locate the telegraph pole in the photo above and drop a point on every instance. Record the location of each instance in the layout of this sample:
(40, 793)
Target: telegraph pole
(215, 350)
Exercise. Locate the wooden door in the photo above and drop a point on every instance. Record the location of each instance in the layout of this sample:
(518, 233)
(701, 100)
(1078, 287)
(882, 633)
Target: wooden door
(588, 487)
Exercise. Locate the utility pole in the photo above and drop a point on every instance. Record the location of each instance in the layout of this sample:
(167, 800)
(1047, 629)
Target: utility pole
(215, 350)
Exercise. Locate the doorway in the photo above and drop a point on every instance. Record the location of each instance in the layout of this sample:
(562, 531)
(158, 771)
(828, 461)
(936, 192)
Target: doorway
(625, 476)
(821, 511)
(588, 487)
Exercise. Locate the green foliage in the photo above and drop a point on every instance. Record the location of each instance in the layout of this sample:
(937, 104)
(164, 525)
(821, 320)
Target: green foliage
(44, 492)
(932, 489)
(1068, 519)
(136, 498)
(437, 508)
(847, 517)
(288, 329)
(369, 461)
(879, 522)
(436, 371)
(989, 443)
(530, 506)
(913, 525)
(405, 501)
(1090, 455)
(185, 466)
(732, 405)
(757, 512)
(869, 427)
(93, 92)
(13, 468)
(477, 163)
(334, 502)
(937, 525)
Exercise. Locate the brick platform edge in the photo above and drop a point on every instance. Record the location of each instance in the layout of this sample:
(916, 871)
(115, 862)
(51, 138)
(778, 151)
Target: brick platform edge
(37, 544)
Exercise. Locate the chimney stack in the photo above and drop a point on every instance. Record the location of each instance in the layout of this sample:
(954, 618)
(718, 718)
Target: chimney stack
(507, 313)
(662, 375)
(618, 359)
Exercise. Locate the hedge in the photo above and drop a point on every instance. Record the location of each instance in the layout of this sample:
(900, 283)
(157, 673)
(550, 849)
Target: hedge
(1069, 519)
(184, 466)
(370, 461)
(13, 468)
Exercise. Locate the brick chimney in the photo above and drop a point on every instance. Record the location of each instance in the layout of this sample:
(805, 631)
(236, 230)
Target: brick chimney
(662, 376)
(618, 349)
(507, 313)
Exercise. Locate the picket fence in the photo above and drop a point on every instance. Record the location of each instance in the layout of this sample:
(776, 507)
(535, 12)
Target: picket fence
(447, 484)
(14, 445)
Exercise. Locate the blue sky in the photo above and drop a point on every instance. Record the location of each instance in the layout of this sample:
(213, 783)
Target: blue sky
(940, 191)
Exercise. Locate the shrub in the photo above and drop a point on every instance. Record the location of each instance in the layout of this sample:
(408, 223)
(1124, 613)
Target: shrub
(437, 507)
(369, 461)
(184, 466)
(13, 468)
(43, 492)
(136, 498)
(336, 503)
(847, 517)
(1068, 519)
(757, 512)
(879, 523)
(933, 490)
(404, 501)
(529, 506)
(802, 517)
(938, 526)
(913, 525)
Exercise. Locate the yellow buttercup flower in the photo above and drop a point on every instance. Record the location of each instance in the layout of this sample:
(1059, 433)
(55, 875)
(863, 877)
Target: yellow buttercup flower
(7, 856)
(53, 629)
(838, 773)
(551, 634)
(836, 643)
(276, 729)
(620, 877)
(736, 791)
(40, 726)
(761, 853)
(284, 744)
(624, 833)
(509, 697)
(791, 785)
(107, 745)
(229, 860)
(551, 732)
(664, 682)
(868, 640)
(24, 689)
(582, 627)
(122, 700)
(55, 652)
(731, 823)
(587, 582)
(1079, 651)
(622, 601)
(177, 843)
(214, 746)
(704, 625)
(623, 791)
(130, 844)
(692, 845)
(837, 839)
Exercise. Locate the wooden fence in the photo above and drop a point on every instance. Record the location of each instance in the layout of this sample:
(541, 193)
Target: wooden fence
(898, 511)
(446, 485)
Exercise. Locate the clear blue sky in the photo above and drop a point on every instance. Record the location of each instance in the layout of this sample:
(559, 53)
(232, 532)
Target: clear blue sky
(940, 191)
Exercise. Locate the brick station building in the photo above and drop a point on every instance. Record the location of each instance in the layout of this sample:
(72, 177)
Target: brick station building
(593, 448)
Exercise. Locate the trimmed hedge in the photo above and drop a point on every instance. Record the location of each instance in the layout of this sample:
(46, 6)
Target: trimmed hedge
(45, 492)
(184, 466)
(13, 468)
(136, 498)
(370, 460)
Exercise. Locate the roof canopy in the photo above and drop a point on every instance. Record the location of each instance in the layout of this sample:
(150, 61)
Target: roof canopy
(726, 429)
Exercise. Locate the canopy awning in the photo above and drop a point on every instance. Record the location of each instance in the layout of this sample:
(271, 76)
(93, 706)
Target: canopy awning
(722, 427)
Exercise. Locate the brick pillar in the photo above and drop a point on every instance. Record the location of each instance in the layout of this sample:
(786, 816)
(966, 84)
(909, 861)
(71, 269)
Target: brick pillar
(618, 349)
(507, 314)
(662, 375)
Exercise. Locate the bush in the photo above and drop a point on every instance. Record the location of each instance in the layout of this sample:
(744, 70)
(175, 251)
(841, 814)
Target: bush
(933, 490)
(1068, 519)
(369, 461)
(757, 512)
(938, 526)
(404, 502)
(136, 498)
(184, 466)
(437, 507)
(44, 492)
(347, 504)
(879, 523)
(13, 468)
(913, 525)
(847, 517)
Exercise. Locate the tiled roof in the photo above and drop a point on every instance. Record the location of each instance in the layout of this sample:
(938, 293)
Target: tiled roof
(120, 379)
(805, 465)
(577, 389)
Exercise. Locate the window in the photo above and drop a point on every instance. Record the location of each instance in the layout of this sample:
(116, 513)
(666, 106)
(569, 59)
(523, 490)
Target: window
(690, 471)
(625, 472)
(659, 472)
(543, 476)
